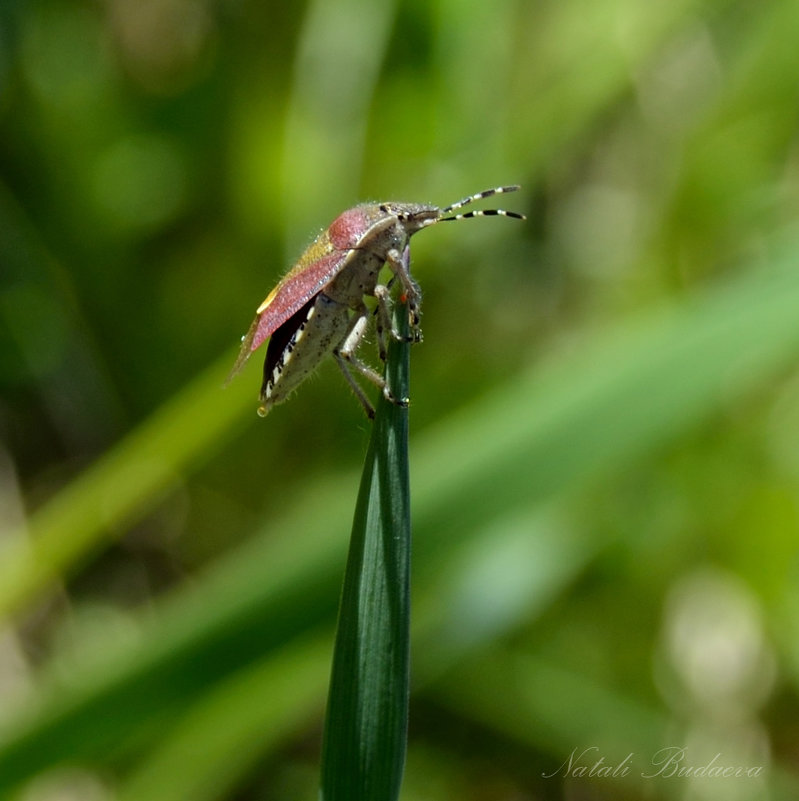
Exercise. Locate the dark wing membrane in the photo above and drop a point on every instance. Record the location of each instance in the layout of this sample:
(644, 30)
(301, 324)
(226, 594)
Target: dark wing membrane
(279, 341)
(287, 298)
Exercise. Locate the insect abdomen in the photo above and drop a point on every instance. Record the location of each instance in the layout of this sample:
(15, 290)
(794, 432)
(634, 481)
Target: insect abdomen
(298, 345)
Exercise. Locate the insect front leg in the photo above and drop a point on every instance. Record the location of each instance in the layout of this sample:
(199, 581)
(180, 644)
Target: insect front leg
(400, 264)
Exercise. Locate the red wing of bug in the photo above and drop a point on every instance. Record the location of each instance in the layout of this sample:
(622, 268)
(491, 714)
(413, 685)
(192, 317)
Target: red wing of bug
(295, 289)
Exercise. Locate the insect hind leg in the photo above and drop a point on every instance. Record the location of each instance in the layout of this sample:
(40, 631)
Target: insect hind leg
(355, 386)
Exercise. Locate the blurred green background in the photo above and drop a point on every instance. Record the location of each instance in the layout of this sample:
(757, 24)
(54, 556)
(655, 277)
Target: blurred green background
(605, 416)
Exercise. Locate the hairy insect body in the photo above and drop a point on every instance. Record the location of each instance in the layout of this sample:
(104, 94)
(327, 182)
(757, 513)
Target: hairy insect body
(318, 307)
(322, 326)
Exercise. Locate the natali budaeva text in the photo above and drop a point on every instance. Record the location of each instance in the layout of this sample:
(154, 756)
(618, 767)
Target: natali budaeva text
(666, 763)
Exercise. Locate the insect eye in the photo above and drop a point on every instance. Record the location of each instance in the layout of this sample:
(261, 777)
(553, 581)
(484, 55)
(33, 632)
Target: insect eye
(384, 208)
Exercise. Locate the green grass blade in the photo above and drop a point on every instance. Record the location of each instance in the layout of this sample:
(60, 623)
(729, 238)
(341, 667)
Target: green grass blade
(83, 517)
(367, 715)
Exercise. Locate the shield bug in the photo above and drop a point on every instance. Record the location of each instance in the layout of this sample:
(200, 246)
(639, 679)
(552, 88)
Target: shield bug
(318, 306)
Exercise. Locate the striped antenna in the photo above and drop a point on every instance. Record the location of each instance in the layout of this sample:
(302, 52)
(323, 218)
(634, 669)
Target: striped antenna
(499, 190)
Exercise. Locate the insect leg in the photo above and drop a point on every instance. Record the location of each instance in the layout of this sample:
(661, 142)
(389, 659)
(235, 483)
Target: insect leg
(345, 357)
(400, 264)
(383, 314)
(359, 393)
